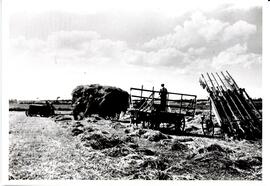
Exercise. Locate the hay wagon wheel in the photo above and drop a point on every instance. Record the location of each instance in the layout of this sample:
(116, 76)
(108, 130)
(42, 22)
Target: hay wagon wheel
(27, 113)
(154, 120)
(208, 127)
(134, 117)
(180, 124)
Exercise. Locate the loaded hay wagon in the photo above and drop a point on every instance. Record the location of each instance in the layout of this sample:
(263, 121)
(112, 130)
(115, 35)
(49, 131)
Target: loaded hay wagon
(145, 109)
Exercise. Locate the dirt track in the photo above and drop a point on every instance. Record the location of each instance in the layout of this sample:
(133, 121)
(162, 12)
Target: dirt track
(41, 148)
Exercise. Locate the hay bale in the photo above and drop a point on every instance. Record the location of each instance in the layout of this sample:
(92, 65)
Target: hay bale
(201, 150)
(63, 118)
(128, 138)
(152, 135)
(248, 162)
(92, 120)
(76, 131)
(105, 132)
(152, 175)
(165, 142)
(159, 163)
(215, 147)
(215, 162)
(77, 124)
(132, 156)
(207, 156)
(118, 126)
(118, 151)
(256, 161)
(146, 151)
(133, 145)
(100, 141)
(77, 128)
(243, 164)
(128, 130)
(185, 139)
(138, 132)
(90, 129)
(176, 169)
(192, 129)
(162, 175)
(106, 101)
(178, 146)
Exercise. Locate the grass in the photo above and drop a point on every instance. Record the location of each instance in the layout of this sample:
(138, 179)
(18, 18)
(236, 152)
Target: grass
(41, 148)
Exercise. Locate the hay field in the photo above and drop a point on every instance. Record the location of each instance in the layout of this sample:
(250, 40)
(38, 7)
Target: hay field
(94, 149)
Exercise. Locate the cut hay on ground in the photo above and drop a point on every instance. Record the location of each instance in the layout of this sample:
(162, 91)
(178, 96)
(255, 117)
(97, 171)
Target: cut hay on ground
(99, 149)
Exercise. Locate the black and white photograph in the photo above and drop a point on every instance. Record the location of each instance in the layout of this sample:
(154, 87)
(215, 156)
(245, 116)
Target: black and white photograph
(133, 90)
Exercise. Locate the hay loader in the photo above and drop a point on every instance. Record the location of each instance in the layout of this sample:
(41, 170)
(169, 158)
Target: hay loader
(145, 110)
(235, 111)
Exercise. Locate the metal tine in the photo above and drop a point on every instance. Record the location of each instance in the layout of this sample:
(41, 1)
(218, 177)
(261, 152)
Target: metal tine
(211, 96)
(226, 80)
(235, 84)
(207, 86)
(214, 88)
(219, 87)
(222, 80)
(226, 88)
(251, 101)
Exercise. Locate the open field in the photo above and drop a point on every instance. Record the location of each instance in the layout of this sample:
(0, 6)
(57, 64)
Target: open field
(22, 106)
(94, 148)
(65, 105)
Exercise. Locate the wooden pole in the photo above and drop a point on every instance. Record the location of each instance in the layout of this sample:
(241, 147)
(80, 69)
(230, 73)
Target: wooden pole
(153, 98)
(141, 92)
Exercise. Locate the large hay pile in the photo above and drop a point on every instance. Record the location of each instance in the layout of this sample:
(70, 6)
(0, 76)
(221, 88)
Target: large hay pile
(106, 101)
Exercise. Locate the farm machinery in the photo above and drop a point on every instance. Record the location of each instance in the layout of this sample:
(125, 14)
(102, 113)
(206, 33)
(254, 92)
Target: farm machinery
(145, 109)
(44, 110)
(235, 111)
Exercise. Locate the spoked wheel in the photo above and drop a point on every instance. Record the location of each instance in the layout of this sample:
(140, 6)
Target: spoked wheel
(27, 113)
(180, 125)
(208, 127)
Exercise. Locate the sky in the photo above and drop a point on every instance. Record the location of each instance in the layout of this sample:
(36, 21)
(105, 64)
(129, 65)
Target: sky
(55, 46)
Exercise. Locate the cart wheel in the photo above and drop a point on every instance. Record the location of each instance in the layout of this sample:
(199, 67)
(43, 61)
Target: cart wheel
(180, 125)
(183, 124)
(208, 127)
